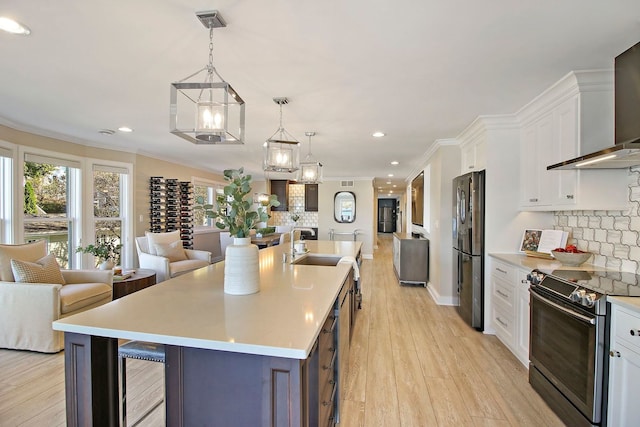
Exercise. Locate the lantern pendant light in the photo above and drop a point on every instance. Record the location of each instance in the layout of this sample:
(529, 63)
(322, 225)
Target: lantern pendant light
(281, 150)
(209, 112)
(310, 169)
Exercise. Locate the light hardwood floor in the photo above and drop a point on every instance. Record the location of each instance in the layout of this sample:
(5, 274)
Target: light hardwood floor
(412, 363)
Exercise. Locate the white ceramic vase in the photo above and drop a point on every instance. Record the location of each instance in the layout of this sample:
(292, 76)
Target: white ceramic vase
(106, 265)
(241, 267)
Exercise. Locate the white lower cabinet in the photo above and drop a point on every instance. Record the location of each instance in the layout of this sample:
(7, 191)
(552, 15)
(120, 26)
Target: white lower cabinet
(624, 368)
(510, 307)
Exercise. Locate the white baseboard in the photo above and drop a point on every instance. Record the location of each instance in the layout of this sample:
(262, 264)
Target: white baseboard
(453, 301)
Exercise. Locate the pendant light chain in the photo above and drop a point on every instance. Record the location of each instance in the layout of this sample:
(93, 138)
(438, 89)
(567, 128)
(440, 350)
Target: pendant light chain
(210, 66)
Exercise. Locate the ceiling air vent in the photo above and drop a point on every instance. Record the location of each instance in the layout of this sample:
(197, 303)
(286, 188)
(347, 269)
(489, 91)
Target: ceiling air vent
(348, 183)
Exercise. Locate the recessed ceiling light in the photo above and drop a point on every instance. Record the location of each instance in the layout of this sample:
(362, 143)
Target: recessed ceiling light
(125, 129)
(394, 163)
(378, 134)
(390, 191)
(394, 186)
(388, 182)
(390, 175)
(13, 27)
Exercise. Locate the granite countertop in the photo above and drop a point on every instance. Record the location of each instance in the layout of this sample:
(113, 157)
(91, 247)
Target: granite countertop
(632, 303)
(192, 310)
(529, 263)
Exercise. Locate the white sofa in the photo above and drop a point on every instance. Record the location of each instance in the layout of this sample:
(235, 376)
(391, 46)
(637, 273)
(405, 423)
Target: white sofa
(28, 309)
(164, 268)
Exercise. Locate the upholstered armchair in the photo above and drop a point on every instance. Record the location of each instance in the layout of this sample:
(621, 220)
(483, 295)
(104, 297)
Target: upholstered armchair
(163, 253)
(42, 293)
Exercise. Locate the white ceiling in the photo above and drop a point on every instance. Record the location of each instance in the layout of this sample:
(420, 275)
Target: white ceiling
(418, 70)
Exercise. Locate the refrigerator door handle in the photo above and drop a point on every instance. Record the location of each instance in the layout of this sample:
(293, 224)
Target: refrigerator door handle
(460, 278)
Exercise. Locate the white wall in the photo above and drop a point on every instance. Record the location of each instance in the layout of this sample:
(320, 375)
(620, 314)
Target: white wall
(444, 165)
(365, 212)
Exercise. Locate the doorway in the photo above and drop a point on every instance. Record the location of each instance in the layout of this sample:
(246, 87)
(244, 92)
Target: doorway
(387, 215)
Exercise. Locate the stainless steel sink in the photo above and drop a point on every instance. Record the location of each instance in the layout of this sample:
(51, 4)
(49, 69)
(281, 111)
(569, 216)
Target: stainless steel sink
(312, 259)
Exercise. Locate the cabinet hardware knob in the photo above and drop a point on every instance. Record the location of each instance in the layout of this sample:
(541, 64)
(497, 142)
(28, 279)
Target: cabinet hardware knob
(524, 281)
(471, 166)
(501, 270)
(634, 332)
(533, 200)
(569, 196)
(614, 353)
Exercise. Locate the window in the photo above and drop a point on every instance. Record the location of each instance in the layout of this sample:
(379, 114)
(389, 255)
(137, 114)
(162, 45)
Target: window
(51, 204)
(207, 190)
(110, 189)
(6, 195)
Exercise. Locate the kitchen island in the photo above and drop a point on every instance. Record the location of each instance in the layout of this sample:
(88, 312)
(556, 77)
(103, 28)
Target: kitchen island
(230, 360)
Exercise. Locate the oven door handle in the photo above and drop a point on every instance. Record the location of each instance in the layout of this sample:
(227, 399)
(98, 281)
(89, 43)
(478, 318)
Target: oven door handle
(571, 313)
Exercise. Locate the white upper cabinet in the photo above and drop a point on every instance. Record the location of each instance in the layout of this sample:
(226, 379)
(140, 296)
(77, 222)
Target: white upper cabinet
(573, 117)
(474, 153)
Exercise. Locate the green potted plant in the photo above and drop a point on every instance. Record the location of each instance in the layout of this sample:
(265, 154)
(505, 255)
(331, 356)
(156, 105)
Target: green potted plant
(106, 250)
(233, 211)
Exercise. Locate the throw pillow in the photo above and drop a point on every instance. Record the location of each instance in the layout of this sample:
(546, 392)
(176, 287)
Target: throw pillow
(174, 251)
(28, 252)
(44, 270)
(162, 239)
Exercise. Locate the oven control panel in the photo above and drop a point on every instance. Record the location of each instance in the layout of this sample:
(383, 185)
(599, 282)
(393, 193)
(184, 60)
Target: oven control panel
(582, 297)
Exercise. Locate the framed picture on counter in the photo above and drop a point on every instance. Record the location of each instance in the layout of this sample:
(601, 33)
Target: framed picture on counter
(530, 240)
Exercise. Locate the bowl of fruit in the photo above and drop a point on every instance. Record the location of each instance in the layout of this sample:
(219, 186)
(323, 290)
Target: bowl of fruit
(570, 256)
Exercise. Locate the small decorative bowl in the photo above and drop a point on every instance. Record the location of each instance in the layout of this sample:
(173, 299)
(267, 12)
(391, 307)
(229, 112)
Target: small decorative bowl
(571, 259)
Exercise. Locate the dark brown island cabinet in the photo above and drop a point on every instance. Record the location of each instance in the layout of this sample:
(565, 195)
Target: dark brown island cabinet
(220, 388)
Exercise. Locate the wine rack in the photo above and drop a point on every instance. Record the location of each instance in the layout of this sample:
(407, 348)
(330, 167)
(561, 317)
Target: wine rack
(157, 192)
(172, 205)
(186, 214)
(171, 208)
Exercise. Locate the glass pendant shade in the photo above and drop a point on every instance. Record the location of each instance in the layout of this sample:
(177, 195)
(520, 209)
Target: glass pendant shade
(281, 150)
(281, 156)
(208, 111)
(209, 121)
(310, 168)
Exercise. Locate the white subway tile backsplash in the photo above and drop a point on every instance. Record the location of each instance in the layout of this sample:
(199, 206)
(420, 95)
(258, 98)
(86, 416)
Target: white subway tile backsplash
(629, 238)
(612, 236)
(588, 234)
(296, 207)
(583, 221)
(607, 222)
(600, 235)
(594, 221)
(621, 223)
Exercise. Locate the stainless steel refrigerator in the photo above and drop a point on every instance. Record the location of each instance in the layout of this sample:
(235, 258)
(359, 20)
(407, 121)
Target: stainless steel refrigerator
(386, 219)
(468, 246)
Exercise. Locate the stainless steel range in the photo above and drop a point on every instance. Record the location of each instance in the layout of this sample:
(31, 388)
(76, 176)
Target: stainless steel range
(569, 339)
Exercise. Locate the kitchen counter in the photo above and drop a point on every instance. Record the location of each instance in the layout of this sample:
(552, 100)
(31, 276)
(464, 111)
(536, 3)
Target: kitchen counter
(529, 263)
(236, 360)
(632, 303)
(192, 310)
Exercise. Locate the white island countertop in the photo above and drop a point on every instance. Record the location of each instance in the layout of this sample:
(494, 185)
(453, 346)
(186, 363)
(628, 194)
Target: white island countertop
(192, 310)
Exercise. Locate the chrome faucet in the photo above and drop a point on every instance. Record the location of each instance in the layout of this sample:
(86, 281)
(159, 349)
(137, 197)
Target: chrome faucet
(292, 239)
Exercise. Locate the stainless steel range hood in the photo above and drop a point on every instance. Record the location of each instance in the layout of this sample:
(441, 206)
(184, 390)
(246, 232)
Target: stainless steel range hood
(621, 155)
(626, 150)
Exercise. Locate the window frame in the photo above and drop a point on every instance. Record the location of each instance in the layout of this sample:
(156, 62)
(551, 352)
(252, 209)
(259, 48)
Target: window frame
(126, 209)
(74, 194)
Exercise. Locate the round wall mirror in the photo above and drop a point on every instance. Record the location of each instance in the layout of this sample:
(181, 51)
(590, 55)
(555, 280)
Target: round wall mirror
(344, 206)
